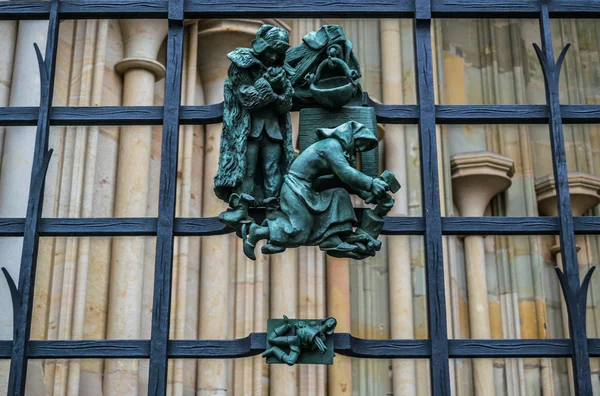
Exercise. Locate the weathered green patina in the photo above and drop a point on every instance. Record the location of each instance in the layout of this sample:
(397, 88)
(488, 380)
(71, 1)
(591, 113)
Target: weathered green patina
(256, 142)
(307, 199)
(315, 204)
(292, 341)
(322, 62)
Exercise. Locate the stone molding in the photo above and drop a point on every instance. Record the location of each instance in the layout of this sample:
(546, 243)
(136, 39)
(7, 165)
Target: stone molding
(585, 194)
(476, 178)
(583, 188)
(153, 66)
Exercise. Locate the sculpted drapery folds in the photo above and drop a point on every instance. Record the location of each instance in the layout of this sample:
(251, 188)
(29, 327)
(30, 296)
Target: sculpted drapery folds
(316, 209)
(256, 142)
(307, 199)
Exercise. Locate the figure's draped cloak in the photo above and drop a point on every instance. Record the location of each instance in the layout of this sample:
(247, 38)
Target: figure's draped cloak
(245, 70)
(310, 217)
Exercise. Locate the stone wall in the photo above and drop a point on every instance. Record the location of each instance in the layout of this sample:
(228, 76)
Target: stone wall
(101, 288)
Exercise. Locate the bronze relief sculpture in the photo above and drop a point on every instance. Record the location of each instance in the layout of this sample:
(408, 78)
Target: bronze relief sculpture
(292, 341)
(307, 199)
(256, 142)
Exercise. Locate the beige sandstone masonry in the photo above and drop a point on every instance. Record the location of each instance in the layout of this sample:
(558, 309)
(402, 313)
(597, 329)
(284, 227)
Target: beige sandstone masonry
(142, 40)
(585, 194)
(476, 178)
(399, 263)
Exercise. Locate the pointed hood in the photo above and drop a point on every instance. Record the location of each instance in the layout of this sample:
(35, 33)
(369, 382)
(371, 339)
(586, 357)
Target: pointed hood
(348, 133)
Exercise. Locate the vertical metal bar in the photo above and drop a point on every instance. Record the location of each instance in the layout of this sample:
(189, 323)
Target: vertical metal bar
(24, 306)
(436, 298)
(571, 287)
(163, 271)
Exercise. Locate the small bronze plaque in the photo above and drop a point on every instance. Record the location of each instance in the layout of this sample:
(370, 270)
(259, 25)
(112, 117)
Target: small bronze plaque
(299, 333)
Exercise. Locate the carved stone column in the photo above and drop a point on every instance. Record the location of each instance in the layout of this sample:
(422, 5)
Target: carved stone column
(476, 179)
(142, 40)
(15, 175)
(585, 194)
(8, 32)
(338, 305)
(398, 247)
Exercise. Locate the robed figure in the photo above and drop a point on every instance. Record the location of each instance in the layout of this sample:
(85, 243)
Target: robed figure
(256, 141)
(314, 213)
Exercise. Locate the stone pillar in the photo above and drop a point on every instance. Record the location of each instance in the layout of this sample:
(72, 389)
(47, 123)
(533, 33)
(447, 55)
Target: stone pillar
(476, 179)
(216, 39)
(142, 40)
(18, 150)
(284, 301)
(17, 157)
(338, 306)
(8, 32)
(398, 247)
(585, 194)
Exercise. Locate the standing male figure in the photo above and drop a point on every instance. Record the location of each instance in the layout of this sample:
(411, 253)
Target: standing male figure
(256, 142)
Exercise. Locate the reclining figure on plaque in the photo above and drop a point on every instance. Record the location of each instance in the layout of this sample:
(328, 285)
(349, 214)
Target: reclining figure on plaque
(315, 204)
(298, 337)
(256, 141)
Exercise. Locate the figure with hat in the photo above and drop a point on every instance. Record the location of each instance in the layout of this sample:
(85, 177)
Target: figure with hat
(256, 141)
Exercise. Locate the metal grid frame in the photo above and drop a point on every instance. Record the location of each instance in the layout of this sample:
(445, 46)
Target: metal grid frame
(437, 348)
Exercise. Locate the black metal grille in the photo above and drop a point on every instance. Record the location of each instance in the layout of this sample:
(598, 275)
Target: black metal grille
(438, 348)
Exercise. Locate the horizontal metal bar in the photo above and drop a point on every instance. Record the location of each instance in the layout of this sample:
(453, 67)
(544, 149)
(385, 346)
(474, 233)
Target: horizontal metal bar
(113, 9)
(499, 225)
(252, 345)
(514, 114)
(25, 10)
(206, 226)
(586, 225)
(117, 226)
(107, 115)
(344, 343)
(574, 8)
(18, 116)
(594, 347)
(491, 114)
(347, 345)
(394, 225)
(386, 114)
(484, 8)
(5, 349)
(89, 349)
(299, 8)
(513, 8)
(12, 227)
(509, 348)
(120, 9)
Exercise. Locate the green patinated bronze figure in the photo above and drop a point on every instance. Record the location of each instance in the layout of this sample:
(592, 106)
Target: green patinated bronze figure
(307, 199)
(315, 204)
(324, 61)
(294, 341)
(256, 142)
